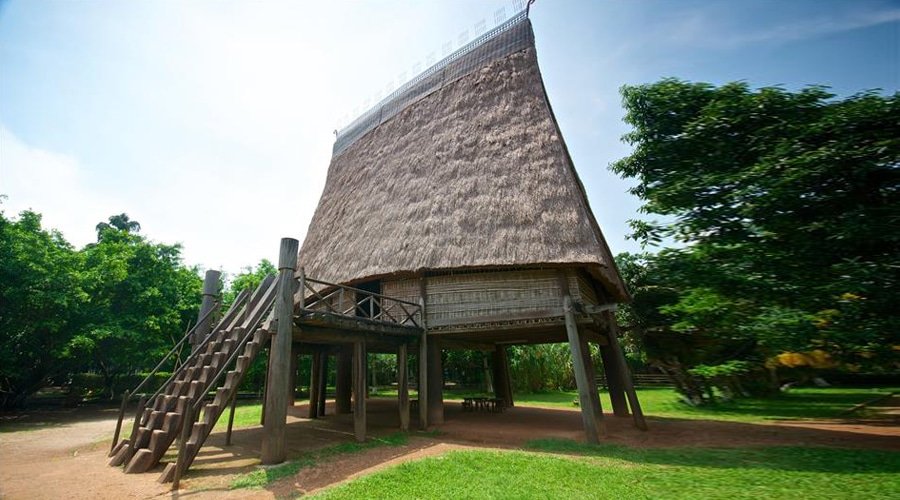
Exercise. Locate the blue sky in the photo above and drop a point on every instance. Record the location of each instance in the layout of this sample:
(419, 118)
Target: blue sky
(211, 122)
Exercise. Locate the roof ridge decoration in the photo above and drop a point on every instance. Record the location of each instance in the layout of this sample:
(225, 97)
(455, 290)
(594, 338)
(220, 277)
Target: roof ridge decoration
(506, 38)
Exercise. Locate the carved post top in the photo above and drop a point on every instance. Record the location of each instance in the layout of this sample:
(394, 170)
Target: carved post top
(287, 256)
(211, 282)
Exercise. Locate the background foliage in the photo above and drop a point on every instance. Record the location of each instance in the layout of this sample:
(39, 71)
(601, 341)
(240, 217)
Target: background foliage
(783, 208)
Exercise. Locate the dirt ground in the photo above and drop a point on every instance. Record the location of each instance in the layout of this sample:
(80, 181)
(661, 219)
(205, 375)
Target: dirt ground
(62, 453)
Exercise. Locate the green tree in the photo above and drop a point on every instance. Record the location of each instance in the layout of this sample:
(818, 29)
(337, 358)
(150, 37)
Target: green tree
(248, 279)
(141, 297)
(119, 222)
(40, 296)
(786, 204)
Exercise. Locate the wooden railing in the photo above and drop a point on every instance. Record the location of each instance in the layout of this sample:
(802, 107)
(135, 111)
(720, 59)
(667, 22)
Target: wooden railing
(342, 300)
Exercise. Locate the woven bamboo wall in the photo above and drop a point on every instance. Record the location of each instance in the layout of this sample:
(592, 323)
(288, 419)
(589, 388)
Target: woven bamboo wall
(459, 299)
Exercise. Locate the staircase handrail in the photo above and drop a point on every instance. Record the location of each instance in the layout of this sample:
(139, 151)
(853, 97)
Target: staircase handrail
(196, 406)
(126, 396)
(175, 348)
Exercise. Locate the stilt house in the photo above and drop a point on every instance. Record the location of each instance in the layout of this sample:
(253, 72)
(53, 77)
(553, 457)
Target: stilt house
(457, 192)
(452, 218)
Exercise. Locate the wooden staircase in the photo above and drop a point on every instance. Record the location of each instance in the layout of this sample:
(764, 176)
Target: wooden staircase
(219, 362)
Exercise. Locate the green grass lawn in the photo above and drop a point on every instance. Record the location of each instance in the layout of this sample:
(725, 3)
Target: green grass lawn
(246, 414)
(618, 472)
(796, 404)
(664, 402)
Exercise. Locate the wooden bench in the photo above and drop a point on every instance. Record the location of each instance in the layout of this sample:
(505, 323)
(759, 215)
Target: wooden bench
(643, 380)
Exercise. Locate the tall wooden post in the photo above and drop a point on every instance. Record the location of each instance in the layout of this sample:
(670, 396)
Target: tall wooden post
(402, 387)
(204, 317)
(343, 380)
(502, 382)
(423, 381)
(359, 390)
(637, 413)
(435, 383)
(593, 423)
(323, 383)
(614, 381)
(279, 364)
(315, 372)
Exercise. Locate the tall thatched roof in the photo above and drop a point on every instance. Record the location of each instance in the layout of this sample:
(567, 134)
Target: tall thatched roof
(467, 172)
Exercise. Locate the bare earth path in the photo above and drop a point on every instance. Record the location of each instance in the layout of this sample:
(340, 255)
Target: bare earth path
(66, 456)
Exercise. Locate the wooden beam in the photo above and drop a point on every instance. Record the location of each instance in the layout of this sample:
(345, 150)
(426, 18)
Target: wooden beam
(599, 309)
(337, 322)
(273, 451)
(359, 390)
(403, 388)
(593, 425)
(343, 382)
(331, 335)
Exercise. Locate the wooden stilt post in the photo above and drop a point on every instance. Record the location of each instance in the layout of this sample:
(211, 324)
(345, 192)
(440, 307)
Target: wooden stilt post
(359, 390)
(502, 382)
(262, 412)
(273, 451)
(343, 381)
(292, 390)
(323, 383)
(637, 414)
(402, 387)
(593, 425)
(315, 371)
(207, 302)
(231, 419)
(614, 386)
(423, 382)
(592, 377)
(435, 383)
(488, 376)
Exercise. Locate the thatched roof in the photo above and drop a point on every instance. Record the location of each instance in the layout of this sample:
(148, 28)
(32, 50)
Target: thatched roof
(474, 174)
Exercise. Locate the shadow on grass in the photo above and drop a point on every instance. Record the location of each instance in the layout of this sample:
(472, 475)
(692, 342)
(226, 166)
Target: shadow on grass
(794, 458)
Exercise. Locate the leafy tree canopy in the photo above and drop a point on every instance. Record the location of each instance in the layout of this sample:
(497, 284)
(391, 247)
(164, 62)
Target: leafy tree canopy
(786, 204)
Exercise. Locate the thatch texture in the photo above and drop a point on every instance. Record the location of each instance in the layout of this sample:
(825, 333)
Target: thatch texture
(474, 175)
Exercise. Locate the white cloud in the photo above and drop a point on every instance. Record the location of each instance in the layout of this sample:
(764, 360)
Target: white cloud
(705, 28)
(52, 184)
(816, 26)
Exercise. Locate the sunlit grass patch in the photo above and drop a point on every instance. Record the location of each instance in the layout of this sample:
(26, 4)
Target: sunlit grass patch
(266, 475)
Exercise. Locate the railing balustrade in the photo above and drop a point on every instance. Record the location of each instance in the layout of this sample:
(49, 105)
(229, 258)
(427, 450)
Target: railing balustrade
(343, 300)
